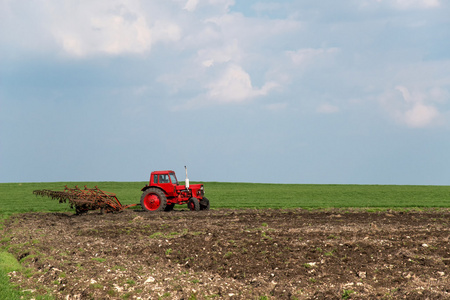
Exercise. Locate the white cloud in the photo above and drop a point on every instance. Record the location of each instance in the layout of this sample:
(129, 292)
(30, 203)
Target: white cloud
(251, 32)
(191, 5)
(235, 86)
(414, 109)
(113, 27)
(83, 28)
(228, 57)
(213, 56)
(225, 4)
(419, 115)
(407, 4)
(220, 50)
(166, 31)
(222, 5)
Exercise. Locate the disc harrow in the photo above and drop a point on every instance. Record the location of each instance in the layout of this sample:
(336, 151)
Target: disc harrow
(86, 199)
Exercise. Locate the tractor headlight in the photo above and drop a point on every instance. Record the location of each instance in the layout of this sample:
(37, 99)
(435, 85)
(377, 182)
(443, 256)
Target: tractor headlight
(201, 191)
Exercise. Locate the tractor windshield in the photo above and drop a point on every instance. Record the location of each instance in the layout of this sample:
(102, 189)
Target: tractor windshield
(173, 178)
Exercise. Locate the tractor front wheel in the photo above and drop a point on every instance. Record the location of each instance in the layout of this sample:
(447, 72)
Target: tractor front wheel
(193, 204)
(153, 199)
(169, 207)
(204, 204)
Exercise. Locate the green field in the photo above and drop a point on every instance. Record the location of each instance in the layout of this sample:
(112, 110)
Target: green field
(18, 197)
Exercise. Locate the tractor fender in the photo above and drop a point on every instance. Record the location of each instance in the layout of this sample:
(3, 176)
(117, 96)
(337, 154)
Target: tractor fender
(152, 186)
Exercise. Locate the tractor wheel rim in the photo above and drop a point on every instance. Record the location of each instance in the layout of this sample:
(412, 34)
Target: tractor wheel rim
(152, 202)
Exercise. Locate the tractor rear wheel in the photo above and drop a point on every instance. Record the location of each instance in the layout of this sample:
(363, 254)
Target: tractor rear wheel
(193, 204)
(153, 199)
(204, 204)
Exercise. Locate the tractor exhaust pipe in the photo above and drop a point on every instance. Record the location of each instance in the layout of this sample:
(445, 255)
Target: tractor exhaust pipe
(187, 179)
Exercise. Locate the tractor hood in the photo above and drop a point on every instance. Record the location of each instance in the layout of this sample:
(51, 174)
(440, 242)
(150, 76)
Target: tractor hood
(191, 187)
(197, 190)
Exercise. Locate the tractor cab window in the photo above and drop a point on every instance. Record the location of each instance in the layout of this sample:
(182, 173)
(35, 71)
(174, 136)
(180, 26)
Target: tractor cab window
(173, 178)
(164, 178)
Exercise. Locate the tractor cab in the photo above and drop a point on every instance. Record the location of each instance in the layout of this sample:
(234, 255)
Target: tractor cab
(166, 177)
(166, 180)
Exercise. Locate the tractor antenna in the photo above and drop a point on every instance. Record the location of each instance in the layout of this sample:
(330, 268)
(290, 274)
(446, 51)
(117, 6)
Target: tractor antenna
(187, 179)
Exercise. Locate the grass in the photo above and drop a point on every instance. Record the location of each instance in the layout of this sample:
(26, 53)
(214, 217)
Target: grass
(6, 290)
(346, 294)
(8, 263)
(250, 195)
(19, 198)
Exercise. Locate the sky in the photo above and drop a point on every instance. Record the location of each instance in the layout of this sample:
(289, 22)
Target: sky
(305, 91)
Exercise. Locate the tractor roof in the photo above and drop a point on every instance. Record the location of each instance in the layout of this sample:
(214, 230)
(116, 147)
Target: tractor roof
(163, 172)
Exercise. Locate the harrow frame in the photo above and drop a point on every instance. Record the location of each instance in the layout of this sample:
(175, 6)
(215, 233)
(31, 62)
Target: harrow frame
(86, 199)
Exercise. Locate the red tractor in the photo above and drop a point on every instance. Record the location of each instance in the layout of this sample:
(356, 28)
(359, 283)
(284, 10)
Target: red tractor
(163, 192)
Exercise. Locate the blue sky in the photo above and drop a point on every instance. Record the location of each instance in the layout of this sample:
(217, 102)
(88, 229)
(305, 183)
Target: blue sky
(345, 92)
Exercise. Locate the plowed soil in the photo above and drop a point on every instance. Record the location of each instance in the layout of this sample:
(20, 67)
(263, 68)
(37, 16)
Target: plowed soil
(233, 254)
